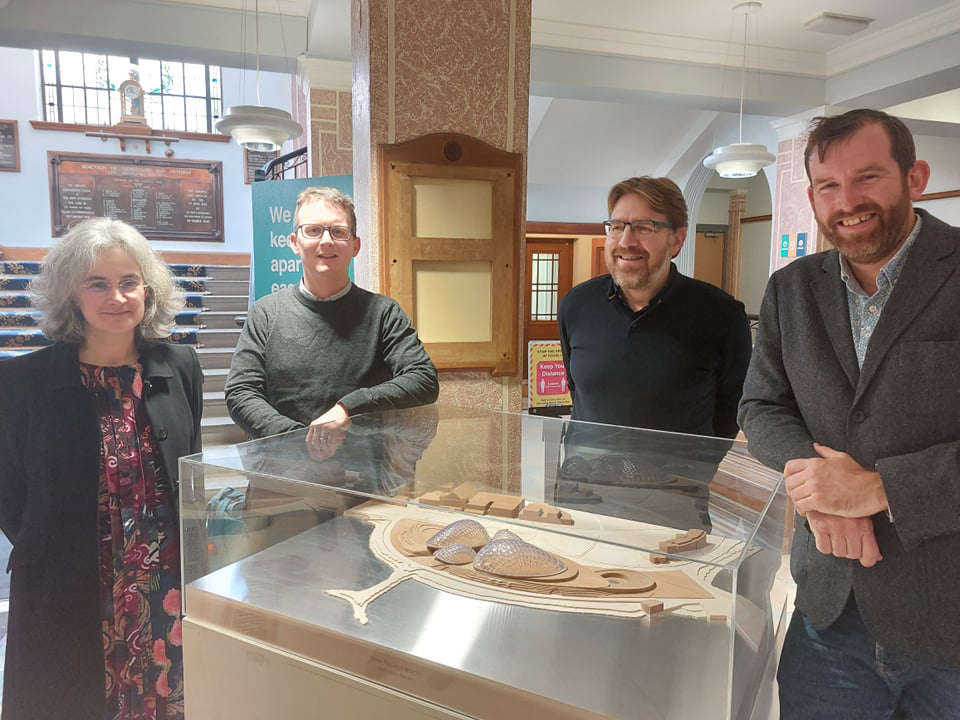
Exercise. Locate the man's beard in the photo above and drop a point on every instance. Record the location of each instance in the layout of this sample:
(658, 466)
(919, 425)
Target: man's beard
(878, 245)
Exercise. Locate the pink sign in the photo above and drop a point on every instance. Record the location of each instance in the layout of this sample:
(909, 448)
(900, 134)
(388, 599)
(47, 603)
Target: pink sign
(551, 378)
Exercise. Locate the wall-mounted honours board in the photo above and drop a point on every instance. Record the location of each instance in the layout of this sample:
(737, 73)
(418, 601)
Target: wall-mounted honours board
(164, 199)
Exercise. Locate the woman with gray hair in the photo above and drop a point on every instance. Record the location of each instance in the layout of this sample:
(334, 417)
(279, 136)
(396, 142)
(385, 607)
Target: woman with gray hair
(92, 428)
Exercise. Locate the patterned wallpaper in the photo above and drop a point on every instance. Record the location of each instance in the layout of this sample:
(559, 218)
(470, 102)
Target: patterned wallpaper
(792, 214)
(331, 122)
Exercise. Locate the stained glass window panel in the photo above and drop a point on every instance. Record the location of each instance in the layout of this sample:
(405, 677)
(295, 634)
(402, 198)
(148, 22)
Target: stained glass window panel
(171, 77)
(215, 81)
(153, 107)
(173, 114)
(119, 70)
(150, 75)
(51, 106)
(196, 115)
(95, 70)
(194, 79)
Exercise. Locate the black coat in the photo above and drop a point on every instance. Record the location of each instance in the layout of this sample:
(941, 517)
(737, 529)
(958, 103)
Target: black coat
(49, 465)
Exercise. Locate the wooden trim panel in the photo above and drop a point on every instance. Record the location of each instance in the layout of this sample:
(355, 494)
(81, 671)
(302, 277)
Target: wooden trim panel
(756, 218)
(72, 127)
(173, 257)
(564, 228)
(941, 195)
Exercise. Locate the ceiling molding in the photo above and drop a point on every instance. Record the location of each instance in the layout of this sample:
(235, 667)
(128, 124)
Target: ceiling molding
(902, 36)
(797, 125)
(298, 8)
(597, 39)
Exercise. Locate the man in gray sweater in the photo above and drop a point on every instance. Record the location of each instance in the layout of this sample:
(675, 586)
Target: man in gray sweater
(320, 352)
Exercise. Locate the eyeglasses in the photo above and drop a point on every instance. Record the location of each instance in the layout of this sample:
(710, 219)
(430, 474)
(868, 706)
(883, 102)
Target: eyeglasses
(615, 228)
(101, 288)
(340, 233)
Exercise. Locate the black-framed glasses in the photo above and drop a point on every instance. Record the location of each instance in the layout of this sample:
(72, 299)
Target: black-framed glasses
(338, 232)
(615, 228)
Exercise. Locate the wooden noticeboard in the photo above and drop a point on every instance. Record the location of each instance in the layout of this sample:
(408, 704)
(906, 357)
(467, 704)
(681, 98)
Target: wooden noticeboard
(253, 160)
(9, 146)
(164, 199)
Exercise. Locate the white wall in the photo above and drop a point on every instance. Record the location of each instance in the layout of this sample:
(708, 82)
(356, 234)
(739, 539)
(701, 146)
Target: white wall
(943, 154)
(755, 240)
(25, 196)
(714, 207)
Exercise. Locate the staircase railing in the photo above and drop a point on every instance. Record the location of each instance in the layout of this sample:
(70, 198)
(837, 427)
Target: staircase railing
(282, 167)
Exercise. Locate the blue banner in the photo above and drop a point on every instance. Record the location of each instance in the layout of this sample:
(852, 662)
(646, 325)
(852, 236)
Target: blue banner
(273, 265)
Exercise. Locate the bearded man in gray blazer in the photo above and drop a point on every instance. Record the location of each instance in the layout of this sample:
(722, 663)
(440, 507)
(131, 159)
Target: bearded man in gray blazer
(853, 390)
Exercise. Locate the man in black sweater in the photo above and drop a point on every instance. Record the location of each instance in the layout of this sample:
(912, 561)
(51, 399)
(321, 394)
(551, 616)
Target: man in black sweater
(650, 348)
(315, 354)
(646, 346)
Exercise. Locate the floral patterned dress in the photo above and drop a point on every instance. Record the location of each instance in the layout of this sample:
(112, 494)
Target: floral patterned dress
(139, 556)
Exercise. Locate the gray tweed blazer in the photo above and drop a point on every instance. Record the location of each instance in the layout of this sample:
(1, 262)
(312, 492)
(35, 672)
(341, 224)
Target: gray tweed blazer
(900, 414)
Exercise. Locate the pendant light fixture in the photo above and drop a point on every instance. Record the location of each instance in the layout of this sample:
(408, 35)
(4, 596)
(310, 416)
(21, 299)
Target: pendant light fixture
(258, 127)
(740, 159)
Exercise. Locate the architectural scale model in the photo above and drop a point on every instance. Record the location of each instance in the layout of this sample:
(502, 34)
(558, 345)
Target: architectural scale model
(595, 571)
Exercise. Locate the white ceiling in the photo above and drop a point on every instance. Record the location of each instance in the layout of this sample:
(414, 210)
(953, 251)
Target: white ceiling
(779, 23)
(698, 31)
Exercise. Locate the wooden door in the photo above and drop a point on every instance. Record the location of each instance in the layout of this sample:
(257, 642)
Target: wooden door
(598, 263)
(708, 258)
(549, 275)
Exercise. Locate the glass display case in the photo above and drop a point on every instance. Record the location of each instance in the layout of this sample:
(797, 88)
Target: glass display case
(443, 562)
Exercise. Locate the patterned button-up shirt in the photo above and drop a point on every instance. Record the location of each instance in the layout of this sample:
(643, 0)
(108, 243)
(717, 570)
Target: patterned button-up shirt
(865, 309)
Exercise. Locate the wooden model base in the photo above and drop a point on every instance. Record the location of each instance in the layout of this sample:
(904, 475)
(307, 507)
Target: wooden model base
(599, 578)
(467, 497)
(683, 542)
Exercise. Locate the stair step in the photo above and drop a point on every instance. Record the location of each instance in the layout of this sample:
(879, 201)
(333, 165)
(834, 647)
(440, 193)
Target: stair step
(228, 272)
(233, 303)
(214, 378)
(226, 287)
(212, 358)
(218, 338)
(214, 405)
(220, 431)
(223, 319)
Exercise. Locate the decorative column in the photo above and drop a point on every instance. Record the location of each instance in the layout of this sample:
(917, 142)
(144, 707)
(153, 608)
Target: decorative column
(731, 269)
(426, 66)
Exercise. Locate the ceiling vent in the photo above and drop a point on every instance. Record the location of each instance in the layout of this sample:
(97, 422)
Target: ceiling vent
(837, 24)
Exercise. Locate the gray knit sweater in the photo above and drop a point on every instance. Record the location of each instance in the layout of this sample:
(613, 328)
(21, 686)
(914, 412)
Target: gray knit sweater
(298, 357)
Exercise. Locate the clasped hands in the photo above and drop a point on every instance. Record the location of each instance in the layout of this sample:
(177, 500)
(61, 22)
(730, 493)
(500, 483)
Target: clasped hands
(326, 433)
(837, 496)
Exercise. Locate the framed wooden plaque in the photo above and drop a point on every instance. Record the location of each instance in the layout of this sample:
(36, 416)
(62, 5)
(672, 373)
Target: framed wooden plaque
(164, 199)
(9, 146)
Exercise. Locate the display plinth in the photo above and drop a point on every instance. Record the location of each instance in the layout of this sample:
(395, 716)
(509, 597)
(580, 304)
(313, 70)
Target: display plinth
(346, 602)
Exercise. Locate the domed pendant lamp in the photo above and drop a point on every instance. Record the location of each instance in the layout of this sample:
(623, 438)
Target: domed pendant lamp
(258, 127)
(740, 159)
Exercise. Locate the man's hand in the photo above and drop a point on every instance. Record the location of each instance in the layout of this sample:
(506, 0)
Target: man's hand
(845, 537)
(834, 483)
(326, 433)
